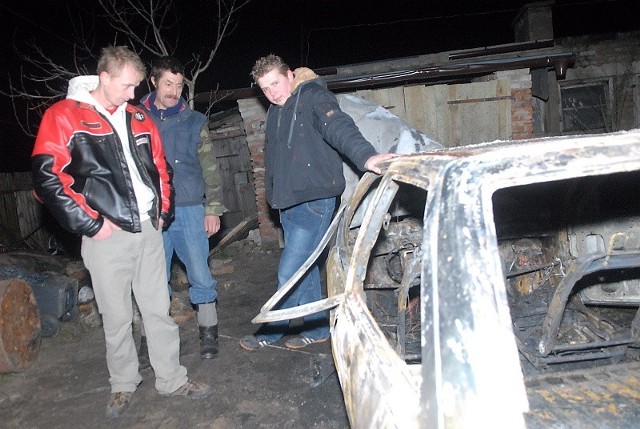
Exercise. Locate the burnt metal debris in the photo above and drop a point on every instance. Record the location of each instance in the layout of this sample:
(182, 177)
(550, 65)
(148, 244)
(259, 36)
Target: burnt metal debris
(475, 273)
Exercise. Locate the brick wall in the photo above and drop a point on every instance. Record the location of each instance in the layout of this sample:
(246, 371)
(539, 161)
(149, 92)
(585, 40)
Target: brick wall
(521, 102)
(521, 114)
(253, 114)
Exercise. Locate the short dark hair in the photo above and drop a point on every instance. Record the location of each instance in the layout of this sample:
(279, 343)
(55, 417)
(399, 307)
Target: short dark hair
(161, 64)
(264, 65)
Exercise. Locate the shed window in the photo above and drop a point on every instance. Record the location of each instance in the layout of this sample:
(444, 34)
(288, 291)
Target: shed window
(585, 107)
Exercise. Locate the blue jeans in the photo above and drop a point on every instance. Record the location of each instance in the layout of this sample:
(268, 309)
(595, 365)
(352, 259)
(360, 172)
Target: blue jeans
(304, 226)
(186, 235)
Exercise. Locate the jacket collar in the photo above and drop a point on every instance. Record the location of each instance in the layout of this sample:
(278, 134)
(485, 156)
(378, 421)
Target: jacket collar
(149, 103)
(304, 75)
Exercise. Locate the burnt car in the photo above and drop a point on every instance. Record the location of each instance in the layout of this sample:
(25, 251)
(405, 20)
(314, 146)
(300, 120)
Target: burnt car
(493, 285)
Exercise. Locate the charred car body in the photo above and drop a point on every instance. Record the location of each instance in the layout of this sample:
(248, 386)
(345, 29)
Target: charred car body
(480, 274)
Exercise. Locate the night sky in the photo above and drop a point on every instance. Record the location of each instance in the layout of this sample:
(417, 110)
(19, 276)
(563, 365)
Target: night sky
(316, 34)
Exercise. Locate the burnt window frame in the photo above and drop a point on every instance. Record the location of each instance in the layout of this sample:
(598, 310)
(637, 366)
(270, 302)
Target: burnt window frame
(606, 106)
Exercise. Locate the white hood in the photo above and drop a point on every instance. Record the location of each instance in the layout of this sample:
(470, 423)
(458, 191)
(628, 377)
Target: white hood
(80, 86)
(79, 90)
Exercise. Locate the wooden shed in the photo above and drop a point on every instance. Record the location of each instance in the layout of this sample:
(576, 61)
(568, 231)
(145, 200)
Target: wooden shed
(232, 152)
(21, 215)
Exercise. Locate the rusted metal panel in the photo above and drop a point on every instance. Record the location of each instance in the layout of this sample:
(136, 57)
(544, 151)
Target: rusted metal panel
(356, 339)
(585, 398)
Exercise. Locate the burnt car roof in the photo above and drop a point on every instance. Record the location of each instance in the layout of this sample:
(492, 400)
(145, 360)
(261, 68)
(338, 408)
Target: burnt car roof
(544, 154)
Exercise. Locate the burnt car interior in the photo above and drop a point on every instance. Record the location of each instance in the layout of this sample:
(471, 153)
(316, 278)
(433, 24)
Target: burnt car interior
(571, 256)
(392, 280)
(570, 252)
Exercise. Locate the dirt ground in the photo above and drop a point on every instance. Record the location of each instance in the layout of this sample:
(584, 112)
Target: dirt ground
(67, 384)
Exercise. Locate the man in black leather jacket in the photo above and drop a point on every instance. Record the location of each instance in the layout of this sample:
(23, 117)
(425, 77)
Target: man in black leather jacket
(99, 166)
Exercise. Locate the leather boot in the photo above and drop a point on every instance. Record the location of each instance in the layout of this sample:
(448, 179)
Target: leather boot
(208, 341)
(143, 354)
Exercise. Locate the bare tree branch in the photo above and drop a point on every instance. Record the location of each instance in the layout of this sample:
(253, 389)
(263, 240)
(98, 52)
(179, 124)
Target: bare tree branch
(149, 27)
(226, 12)
(39, 85)
(145, 24)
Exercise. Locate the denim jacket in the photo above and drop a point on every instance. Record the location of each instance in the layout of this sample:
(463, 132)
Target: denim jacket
(189, 150)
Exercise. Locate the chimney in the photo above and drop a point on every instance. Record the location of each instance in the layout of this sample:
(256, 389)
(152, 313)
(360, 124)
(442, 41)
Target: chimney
(534, 22)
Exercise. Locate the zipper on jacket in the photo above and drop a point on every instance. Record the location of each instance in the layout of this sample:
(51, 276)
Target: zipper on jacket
(144, 174)
(293, 120)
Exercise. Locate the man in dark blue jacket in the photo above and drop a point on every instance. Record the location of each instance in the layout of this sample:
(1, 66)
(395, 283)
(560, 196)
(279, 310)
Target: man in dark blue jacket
(198, 192)
(306, 131)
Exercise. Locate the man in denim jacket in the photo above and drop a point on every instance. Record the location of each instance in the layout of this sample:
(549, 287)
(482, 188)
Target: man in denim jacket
(198, 192)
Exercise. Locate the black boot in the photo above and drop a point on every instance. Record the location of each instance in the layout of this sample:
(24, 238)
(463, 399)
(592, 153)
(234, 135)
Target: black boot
(143, 354)
(208, 341)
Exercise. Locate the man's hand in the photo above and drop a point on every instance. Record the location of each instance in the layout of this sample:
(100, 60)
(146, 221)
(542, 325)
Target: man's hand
(211, 224)
(372, 163)
(107, 229)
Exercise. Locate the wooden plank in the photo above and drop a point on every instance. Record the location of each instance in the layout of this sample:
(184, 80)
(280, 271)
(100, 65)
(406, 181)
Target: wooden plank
(475, 111)
(20, 213)
(247, 200)
(234, 158)
(30, 220)
(238, 231)
(396, 99)
(225, 118)
(425, 112)
(219, 135)
(8, 211)
(228, 221)
(230, 198)
(18, 181)
(9, 219)
(391, 99)
(504, 110)
(223, 148)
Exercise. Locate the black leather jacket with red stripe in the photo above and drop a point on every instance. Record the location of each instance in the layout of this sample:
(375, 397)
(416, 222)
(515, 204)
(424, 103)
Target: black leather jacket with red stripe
(80, 171)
